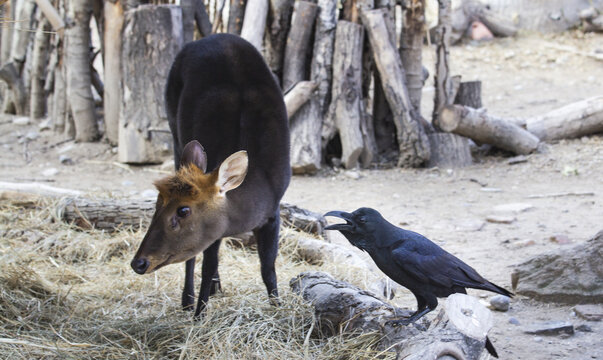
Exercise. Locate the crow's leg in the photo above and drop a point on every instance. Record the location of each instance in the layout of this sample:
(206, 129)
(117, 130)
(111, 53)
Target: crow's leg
(209, 269)
(267, 238)
(424, 306)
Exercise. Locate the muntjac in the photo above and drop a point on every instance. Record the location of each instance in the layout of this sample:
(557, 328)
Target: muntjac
(219, 93)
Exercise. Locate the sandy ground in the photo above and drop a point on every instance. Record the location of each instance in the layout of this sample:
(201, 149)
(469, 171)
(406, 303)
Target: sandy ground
(521, 77)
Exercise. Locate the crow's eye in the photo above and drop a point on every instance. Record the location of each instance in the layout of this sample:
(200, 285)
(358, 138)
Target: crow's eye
(183, 211)
(362, 220)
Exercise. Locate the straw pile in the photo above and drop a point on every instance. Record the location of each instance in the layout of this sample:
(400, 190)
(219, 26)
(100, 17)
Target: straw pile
(70, 294)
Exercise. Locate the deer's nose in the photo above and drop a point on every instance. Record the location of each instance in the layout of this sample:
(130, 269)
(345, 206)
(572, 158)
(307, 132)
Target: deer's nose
(140, 265)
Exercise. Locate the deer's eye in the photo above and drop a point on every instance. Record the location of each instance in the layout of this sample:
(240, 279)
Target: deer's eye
(183, 211)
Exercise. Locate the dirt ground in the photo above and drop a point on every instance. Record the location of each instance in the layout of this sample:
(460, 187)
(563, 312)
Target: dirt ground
(521, 77)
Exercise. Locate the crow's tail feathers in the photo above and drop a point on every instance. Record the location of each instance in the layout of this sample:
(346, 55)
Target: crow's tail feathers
(490, 348)
(497, 289)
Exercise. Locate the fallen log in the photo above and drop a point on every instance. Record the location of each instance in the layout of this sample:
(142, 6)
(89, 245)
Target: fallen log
(298, 96)
(111, 214)
(484, 128)
(574, 120)
(459, 330)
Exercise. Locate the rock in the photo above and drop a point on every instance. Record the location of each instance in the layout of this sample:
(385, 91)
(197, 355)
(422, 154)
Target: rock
(524, 243)
(65, 148)
(45, 125)
(469, 225)
(517, 160)
(513, 207)
(514, 321)
(550, 328)
(32, 135)
(490, 189)
(589, 312)
(500, 302)
(480, 32)
(65, 160)
(50, 172)
(354, 175)
(560, 239)
(584, 328)
(149, 193)
(500, 219)
(22, 120)
(569, 275)
(127, 183)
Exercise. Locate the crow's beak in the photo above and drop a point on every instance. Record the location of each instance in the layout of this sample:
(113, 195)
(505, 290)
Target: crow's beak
(342, 215)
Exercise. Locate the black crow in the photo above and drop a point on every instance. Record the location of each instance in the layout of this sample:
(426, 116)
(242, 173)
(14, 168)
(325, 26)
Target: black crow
(412, 261)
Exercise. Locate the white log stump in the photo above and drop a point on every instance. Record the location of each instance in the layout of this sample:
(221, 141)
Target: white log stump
(449, 151)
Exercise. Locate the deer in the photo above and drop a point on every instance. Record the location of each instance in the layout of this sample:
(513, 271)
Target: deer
(231, 152)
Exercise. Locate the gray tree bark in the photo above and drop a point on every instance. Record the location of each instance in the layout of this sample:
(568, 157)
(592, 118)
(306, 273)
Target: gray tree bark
(8, 11)
(298, 96)
(17, 94)
(449, 150)
(254, 22)
(149, 46)
(298, 42)
(38, 73)
(469, 94)
(59, 99)
(442, 75)
(235, 16)
(347, 90)
(411, 46)
(279, 15)
(412, 140)
(77, 63)
(114, 18)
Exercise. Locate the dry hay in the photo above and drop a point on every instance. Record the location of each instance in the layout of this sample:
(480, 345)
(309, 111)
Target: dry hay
(70, 294)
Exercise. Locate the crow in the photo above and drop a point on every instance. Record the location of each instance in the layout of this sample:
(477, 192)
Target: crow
(411, 260)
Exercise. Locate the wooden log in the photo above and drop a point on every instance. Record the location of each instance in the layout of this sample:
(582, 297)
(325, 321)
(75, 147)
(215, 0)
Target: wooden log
(235, 16)
(7, 34)
(298, 96)
(484, 128)
(145, 64)
(411, 47)
(573, 120)
(188, 20)
(255, 22)
(298, 43)
(37, 104)
(469, 94)
(53, 16)
(10, 75)
(202, 18)
(275, 40)
(383, 120)
(442, 72)
(114, 19)
(459, 330)
(346, 91)
(59, 99)
(449, 151)
(22, 34)
(412, 140)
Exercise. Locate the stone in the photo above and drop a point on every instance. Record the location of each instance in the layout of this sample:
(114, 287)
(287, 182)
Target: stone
(524, 243)
(513, 207)
(550, 328)
(571, 275)
(45, 125)
(517, 160)
(32, 135)
(584, 328)
(65, 160)
(149, 193)
(22, 120)
(561, 239)
(50, 172)
(500, 219)
(354, 175)
(500, 302)
(514, 321)
(589, 312)
(490, 189)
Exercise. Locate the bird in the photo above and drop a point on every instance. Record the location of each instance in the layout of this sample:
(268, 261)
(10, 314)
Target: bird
(411, 260)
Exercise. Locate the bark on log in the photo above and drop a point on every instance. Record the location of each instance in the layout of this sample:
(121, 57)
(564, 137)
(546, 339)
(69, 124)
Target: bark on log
(383, 120)
(235, 16)
(459, 330)
(346, 91)
(484, 128)
(114, 19)
(77, 63)
(411, 47)
(7, 34)
(469, 94)
(255, 22)
(10, 75)
(298, 96)
(449, 151)
(188, 20)
(56, 21)
(24, 22)
(37, 103)
(279, 15)
(298, 43)
(202, 18)
(574, 120)
(145, 64)
(442, 71)
(59, 99)
(412, 140)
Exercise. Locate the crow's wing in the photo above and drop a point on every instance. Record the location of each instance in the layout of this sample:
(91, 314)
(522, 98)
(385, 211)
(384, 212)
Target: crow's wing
(432, 265)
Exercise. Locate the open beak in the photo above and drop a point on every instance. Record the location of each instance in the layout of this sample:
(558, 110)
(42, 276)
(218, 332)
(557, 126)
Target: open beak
(342, 215)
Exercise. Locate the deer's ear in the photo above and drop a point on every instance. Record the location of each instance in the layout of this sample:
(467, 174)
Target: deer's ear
(232, 172)
(194, 153)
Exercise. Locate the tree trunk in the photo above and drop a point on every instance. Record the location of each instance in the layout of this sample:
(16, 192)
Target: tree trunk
(347, 90)
(188, 20)
(235, 16)
(149, 46)
(298, 43)
(449, 151)
(53, 16)
(254, 24)
(77, 63)
(411, 47)
(574, 120)
(279, 16)
(412, 140)
(24, 22)
(202, 18)
(383, 120)
(469, 94)
(7, 33)
(114, 19)
(442, 75)
(10, 75)
(38, 74)
(59, 99)
(479, 126)
(298, 96)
